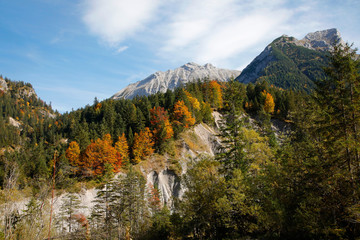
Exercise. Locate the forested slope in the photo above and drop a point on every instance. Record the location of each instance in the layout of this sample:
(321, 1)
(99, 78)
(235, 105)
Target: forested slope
(256, 186)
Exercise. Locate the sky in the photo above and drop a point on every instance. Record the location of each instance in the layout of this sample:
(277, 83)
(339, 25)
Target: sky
(72, 51)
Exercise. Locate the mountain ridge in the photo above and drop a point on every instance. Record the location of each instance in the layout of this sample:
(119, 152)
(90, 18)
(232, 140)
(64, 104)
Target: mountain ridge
(170, 79)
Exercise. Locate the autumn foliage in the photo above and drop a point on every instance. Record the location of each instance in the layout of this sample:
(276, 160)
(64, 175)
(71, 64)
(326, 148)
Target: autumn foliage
(162, 128)
(73, 153)
(182, 116)
(143, 145)
(100, 152)
(216, 97)
(122, 147)
(269, 104)
(154, 198)
(92, 161)
(193, 101)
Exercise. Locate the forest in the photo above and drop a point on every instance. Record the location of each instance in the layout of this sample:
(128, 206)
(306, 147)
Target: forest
(303, 184)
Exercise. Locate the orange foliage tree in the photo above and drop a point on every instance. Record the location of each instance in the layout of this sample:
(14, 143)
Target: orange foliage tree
(143, 145)
(162, 128)
(99, 153)
(269, 104)
(122, 147)
(182, 116)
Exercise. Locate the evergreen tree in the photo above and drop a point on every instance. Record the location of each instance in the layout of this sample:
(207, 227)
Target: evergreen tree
(69, 207)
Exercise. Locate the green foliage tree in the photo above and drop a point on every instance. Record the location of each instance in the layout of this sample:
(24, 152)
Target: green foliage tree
(71, 205)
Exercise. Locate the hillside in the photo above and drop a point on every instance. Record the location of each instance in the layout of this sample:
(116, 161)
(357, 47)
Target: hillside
(22, 113)
(290, 63)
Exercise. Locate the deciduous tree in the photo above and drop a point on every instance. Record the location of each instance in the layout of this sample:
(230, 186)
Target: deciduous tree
(122, 147)
(269, 104)
(99, 153)
(182, 116)
(143, 145)
(162, 128)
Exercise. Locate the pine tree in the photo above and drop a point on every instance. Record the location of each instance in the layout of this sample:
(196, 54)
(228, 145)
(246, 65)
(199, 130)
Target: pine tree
(337, 131)
(69, 207)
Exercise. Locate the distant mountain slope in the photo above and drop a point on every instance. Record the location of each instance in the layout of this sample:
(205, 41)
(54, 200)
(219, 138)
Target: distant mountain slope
(162, 81)
(290, 63)
(22, 114)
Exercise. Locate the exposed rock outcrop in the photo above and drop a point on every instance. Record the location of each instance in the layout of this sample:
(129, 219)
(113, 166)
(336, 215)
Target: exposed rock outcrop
(320, 40)
(3, 85)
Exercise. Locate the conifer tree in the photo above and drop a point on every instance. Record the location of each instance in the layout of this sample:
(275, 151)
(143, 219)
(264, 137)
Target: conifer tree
(69, 207)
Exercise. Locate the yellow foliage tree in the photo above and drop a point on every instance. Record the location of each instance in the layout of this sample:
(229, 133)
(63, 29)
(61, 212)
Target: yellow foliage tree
(143, 145)
(216, 94)
(73, 153)
(269, 104)
(122, 147)
(193, 101)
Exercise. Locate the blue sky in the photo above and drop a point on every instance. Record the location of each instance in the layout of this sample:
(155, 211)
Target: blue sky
(72, 51)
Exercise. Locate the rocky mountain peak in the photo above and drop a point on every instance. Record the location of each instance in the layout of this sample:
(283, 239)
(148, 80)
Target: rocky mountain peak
(283, 53)
(320, 40)
(162, 81)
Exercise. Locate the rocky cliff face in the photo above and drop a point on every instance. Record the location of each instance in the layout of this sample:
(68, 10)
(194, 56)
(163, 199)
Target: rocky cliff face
(3, 85)
(320, 40)
(162, 81)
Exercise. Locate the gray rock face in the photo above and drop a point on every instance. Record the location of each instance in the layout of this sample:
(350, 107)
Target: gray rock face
(3, 85)
(162, 81)
(168, 184)
(320, 40)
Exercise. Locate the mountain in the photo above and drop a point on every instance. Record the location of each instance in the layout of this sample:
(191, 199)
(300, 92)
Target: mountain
(162, 81)
(290, 63)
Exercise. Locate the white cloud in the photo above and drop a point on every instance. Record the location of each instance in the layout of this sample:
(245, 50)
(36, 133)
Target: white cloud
(116, 20)
(121, 49)
(213, 31)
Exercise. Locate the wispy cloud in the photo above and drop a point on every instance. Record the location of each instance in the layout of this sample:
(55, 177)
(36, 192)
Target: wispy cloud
(116, 20)
(121, 49)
